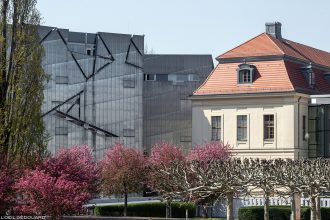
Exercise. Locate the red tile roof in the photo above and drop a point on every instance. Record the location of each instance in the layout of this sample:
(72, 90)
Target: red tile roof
(281, 75)
(266, 45)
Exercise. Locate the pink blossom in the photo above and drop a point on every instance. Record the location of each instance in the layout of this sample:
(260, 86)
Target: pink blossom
(214, 150)
(165, 153)
(122, 170)
(60, 185)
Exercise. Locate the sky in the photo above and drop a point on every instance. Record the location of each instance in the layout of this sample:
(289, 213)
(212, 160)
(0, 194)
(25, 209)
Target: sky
(193, 26)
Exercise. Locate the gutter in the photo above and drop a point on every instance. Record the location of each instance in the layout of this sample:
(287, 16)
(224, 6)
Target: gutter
(246, 95)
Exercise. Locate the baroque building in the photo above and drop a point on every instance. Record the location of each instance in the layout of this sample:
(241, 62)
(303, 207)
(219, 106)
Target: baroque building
(267, 98)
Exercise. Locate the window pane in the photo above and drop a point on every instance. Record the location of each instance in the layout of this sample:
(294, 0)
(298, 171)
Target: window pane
(304, 127)
(61, 80)
(182, 77)
(269, 131)
(216, 128)
(242, 127)
(162, 77)
(245, 76)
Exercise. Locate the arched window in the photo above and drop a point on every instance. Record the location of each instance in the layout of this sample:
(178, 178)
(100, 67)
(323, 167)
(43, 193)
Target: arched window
(245, 73)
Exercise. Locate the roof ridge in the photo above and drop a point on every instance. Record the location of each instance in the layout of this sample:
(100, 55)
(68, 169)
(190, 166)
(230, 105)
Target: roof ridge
(240, 45)
(272, 40)
(305, 45)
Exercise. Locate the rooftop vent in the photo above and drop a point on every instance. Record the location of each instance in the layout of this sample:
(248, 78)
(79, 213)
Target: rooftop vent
(274, 29)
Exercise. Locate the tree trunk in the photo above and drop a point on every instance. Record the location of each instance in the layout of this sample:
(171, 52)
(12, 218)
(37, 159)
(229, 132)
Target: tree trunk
(187, 214)
(230, 205)
(313, 208)
(293, 208)
(266, 206)
(168, 209)
(125, 205)
(318, 208)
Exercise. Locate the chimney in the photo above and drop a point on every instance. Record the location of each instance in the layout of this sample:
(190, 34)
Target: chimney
(274, 29)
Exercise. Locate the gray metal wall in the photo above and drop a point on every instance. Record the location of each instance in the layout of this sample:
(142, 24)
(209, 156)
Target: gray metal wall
(167, 112)
(103, 73)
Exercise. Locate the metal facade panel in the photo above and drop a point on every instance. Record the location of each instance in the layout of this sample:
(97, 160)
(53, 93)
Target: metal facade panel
(166, 107)
(103, 101)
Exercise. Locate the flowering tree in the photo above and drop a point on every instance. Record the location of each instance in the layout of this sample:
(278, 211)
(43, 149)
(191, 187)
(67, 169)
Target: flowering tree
(60, 184)
(214, 150)
(209, 156)
(166, 163)
(122, 171)
(6, 183)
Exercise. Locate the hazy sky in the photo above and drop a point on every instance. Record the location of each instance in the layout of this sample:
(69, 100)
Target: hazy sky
(193, 26)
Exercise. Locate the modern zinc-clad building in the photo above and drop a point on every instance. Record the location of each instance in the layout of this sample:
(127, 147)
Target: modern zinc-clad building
(169, 81)
(94, 93)
(102, 90)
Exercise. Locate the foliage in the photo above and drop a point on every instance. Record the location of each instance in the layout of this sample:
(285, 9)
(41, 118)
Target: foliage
(211, 179)
(165, 159)
(22, 133)
(123, 171)
(7, 177)
(276, 212)
(214, 150)
(150, 209)
(60, 185)
(165, 153)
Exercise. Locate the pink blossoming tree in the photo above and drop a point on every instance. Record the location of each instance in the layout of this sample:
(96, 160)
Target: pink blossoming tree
(6, 183)
(164, 159)
(59, 185)
(123, 171)
(214, 150)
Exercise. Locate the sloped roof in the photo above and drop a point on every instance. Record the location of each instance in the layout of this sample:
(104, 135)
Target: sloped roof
(266, 45)
(279, 75)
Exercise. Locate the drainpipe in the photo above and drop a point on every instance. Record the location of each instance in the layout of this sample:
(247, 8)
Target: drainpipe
(298, 125)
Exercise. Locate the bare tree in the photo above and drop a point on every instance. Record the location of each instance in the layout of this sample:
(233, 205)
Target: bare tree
(289, 181)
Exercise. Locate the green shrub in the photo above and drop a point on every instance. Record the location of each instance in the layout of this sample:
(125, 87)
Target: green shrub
(150, 209)
(275, 213)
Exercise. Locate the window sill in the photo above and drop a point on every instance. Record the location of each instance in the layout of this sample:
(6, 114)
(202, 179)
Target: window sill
(241, 141)
(244, 84)
(269, 141)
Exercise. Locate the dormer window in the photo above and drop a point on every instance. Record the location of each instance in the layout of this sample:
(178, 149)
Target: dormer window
(327, 77)
(309, 75)
(245, 73)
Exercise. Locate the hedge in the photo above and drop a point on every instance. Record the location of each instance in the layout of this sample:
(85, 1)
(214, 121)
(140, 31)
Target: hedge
(277, 212)
(150, 209)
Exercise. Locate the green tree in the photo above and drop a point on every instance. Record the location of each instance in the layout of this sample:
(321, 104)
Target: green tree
(22, 133)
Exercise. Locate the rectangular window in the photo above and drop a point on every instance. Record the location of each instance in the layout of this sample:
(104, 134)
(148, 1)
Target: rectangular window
(241, 127)
(193, 77)
(304, 127)
(90, 51)
(216, 128)
(245, 76)
(61, 130)
(162, 77)
(269, 128)
(185, 138)
(182, 78)
(128, 83)
(129, 133)
(61, 79)
(149, 77)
